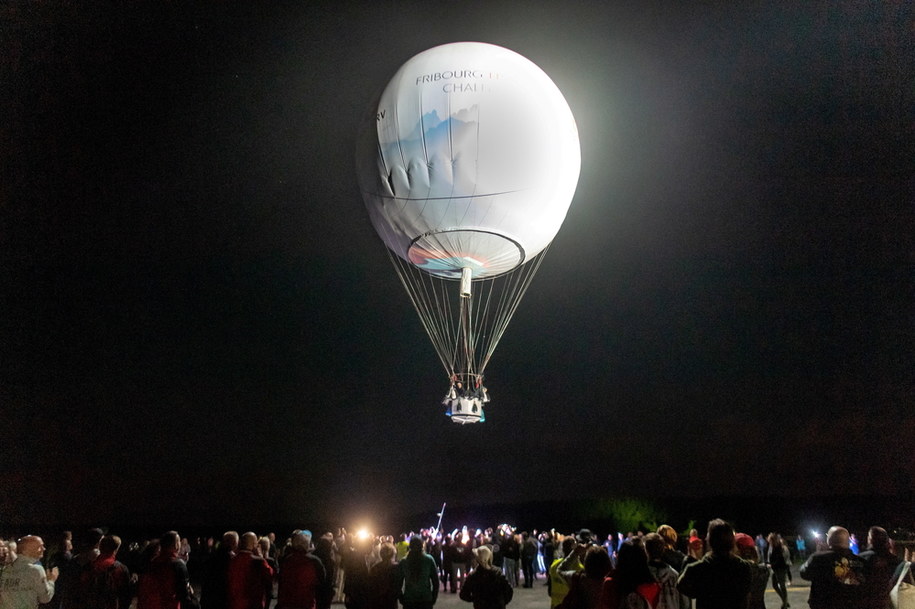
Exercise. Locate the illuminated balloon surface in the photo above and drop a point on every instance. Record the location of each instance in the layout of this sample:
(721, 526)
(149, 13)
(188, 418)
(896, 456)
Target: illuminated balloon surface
(471, 160)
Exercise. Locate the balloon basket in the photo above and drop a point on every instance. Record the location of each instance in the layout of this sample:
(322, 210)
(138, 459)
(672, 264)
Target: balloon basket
(465, 410)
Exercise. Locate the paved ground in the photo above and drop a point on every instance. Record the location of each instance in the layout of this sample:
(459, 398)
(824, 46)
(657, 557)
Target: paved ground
(536, 598)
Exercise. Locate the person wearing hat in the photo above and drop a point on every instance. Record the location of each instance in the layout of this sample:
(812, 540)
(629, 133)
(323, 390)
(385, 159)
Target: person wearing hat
(574, 561)
(486, 586)
(748, 550)
(695, 549)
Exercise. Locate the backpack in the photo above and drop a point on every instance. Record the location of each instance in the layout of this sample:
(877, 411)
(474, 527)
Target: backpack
(99, 588)
(634, 600)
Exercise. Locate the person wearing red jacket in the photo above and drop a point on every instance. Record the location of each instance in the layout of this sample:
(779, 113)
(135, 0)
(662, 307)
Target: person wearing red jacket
(165, 583)
(250, 578)
(303, 578)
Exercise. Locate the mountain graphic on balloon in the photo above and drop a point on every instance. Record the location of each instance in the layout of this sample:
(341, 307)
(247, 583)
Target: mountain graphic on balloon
(433, 136)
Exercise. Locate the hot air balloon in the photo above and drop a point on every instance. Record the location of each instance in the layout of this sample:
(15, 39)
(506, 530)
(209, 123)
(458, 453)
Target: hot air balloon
(468, 164)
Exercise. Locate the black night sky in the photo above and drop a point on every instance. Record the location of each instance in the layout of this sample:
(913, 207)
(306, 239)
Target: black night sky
(199, 324)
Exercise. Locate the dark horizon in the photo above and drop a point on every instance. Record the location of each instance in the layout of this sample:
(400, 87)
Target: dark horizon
(761, 514)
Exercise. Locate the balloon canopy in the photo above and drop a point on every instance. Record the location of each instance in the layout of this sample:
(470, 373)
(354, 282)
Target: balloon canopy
(467, 164)
(470, 160)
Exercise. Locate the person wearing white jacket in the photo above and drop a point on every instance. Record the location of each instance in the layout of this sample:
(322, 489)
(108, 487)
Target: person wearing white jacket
(24, 584)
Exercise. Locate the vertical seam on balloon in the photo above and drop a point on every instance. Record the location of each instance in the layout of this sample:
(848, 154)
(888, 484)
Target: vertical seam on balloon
(450, 156)
(403, 160)
(473, 193)
(422, 129)
(482, 220)
(422, 134)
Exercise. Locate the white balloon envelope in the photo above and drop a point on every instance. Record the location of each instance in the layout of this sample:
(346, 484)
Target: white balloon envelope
(468, 165)
(472, 162)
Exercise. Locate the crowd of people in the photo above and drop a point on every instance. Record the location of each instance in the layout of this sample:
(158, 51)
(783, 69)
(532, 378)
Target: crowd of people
(646, 570)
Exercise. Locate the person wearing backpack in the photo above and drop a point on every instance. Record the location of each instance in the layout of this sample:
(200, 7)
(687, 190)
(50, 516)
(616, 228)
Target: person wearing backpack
(105, 582)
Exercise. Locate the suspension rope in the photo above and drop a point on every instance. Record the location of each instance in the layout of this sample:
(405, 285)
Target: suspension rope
(465, 331)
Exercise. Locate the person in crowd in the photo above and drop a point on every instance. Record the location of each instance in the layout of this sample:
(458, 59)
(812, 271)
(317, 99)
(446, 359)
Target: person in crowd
(610, 544)
(215, 589)
(341, 543)
(748, 550)
(184, 550)
(105, 583)
(448, 555)
(25, 584)
(5, 558)
(880, 564)
(800, 544)
(558, 586)
(436, 551)
(264, 551)
(250, 578)
(529, 551)
(324, 551)
(835, 574)
(695, 550)
(664, 574)
(147, 553)
(274, 551)
(60, 558)
(545, 554)
(164, 582)
(762, 546)
(573, 562)
(302, 579)
(632, 584)
(492, 540)
(511, 555)
(719, 580)
(779, 560)
(354, 560)
(486, 586)
(460, 560)
(384, 579)
(672, 556)
(87, 552)
(585, 586)
(419, 577)
(402, 546)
